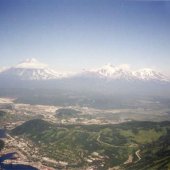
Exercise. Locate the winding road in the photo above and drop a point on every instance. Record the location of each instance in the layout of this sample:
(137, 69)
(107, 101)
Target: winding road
(138, 155)
(130, 158)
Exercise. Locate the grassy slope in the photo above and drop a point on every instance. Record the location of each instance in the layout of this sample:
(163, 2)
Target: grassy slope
(73, 143)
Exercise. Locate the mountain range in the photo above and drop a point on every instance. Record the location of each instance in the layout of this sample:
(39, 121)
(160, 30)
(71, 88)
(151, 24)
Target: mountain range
(34, 82)
(31, 69)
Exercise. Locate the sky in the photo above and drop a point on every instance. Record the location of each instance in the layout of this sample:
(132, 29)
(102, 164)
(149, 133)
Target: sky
(82, 34)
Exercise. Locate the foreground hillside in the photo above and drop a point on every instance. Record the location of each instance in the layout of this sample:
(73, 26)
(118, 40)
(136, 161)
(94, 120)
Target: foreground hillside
(133, 145)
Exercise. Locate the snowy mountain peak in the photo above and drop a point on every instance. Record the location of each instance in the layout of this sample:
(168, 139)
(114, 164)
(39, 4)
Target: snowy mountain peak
(147, 72)
(31, 63)
(111, 67)
(150, 74)
(124, 72)
(31, 69)
(115, 72)
(31, 60)
(108, 66)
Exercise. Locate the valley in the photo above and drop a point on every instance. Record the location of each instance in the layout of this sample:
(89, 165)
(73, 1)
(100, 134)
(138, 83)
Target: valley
(95, 146)
(55, 121)
(75, 137)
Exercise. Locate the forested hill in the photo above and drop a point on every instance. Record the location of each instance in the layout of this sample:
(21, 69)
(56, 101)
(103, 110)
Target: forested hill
(114, 144)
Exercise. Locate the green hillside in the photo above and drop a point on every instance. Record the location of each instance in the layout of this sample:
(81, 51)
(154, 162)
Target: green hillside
(67, 113)
(105, 145)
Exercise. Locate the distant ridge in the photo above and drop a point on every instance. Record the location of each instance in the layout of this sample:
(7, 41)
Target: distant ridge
(123, 72)
(32, 69)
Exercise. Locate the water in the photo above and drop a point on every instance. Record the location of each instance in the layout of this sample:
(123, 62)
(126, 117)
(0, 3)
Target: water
(16, 167)
(11, 156)
(7, 156)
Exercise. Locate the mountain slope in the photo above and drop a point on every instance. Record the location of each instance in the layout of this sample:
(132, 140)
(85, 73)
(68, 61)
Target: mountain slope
(149, 74)
(108, 79)
(123, 72)
(100, 146)
(31, 69)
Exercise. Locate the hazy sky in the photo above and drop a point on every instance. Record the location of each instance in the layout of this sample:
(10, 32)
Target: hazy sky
(74, 34)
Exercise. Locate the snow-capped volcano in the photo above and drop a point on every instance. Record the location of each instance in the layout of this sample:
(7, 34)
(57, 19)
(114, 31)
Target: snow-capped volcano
(107, 79)
(31, 69)
(31, 64)
(124, 72)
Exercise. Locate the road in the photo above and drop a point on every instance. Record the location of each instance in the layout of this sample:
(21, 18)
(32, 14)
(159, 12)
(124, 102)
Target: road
(138, 155)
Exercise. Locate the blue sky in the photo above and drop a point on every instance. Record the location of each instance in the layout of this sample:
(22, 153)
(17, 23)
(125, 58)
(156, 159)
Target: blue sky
(76, 34)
